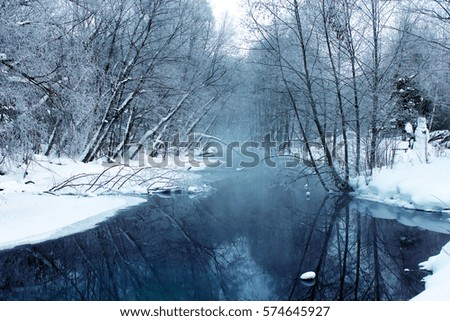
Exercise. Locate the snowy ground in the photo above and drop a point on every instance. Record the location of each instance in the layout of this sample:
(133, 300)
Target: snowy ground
(411, 185)
(437, 285)
(412, 182)
(418, 185)
(32, 210)
(27, 218)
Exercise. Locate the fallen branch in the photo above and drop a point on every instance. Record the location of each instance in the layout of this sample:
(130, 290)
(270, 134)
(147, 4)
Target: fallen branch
(113, 178)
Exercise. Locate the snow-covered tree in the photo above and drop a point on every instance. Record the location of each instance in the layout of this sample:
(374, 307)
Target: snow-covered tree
(410, 102)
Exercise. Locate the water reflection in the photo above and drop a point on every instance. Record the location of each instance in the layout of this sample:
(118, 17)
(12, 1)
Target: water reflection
(236, 244)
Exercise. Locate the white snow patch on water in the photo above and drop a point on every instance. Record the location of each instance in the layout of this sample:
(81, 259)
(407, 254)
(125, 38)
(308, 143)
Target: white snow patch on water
(308, 276)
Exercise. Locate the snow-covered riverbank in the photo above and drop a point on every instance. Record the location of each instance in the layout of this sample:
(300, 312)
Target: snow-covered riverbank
(32, 211)
(437, 285)
(415, 184)
(29, 218)
(411, 185)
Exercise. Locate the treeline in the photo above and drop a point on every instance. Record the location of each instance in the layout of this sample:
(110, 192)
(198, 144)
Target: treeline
(346, 74)
(88, 78)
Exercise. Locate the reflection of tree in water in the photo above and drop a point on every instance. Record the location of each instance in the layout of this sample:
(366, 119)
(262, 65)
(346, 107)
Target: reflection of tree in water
(253, 247)
(363, 258)
(124, 260)
(245, 279)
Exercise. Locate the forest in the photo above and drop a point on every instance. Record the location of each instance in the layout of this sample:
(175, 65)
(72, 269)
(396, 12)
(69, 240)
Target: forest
(89, 79)
(145, 144)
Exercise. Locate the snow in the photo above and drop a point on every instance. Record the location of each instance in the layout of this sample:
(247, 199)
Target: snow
(410, 184)
(28, 214)
(23, 23)
(17, 79)
(437, 286)
(409, 128)
(418, 179)
(27, 218)
(32, 210)
(435, 222)
(199, 189)
(308, 276)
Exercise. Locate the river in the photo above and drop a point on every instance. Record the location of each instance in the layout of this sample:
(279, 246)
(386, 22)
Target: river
(249, 238)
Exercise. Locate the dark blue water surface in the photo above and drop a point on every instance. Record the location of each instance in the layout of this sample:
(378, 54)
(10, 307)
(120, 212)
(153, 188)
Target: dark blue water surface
(249, 239)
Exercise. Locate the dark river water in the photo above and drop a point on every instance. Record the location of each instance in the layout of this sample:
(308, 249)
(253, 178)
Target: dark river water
(249, 239)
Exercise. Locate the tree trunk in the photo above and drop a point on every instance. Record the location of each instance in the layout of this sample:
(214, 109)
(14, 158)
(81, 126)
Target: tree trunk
(150, 133)
(126, 138)
(339, 182)
(52, 139)
(102, 132)
(337, 83)
(375, 84)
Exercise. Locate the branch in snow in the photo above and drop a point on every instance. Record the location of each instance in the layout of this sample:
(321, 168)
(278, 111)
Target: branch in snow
(23, 23)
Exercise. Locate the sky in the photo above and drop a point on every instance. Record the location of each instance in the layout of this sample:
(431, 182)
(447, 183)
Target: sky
(234, 12)
(222, 7)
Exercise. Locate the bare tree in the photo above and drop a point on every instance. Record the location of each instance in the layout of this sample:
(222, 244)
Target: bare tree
(295, 54)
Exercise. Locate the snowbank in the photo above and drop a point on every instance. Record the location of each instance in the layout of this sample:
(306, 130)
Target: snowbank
(37, 203)
(27, 218)
(413, 185)
(419, 179)
(435, 222)
(44, 174)
(437, 286)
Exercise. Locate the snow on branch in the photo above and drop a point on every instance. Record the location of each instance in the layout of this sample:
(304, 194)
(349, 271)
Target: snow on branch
(115, 178)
